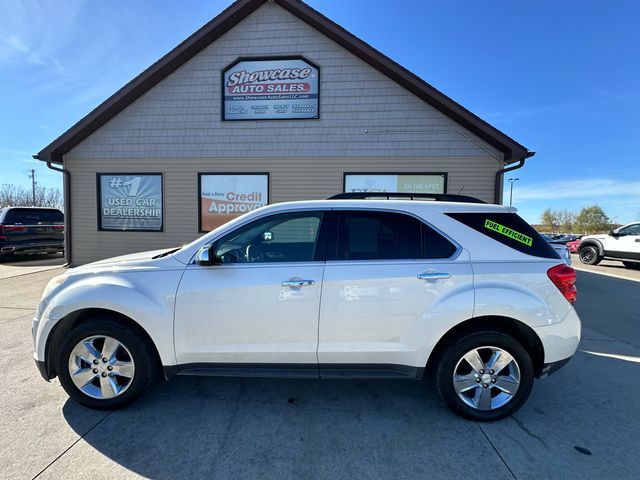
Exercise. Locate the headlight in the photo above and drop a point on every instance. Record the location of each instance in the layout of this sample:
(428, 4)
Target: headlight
(53, 283)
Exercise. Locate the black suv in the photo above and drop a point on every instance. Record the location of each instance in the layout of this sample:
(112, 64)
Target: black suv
(26, 230)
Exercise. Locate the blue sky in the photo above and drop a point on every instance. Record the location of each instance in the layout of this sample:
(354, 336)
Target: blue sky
(562, 78)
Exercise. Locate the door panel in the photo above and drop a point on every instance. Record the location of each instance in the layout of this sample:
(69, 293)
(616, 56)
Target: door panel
(243, 313)
(381, 313)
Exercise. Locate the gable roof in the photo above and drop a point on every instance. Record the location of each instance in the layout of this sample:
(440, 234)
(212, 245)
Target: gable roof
(224, 22)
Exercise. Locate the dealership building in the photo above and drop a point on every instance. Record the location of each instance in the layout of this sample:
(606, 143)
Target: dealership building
(268, 102)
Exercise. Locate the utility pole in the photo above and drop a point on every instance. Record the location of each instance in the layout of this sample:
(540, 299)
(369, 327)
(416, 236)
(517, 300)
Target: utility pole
(512, 181)
(33, 187)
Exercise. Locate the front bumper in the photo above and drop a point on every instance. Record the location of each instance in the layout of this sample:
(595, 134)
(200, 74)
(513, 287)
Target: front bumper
(42, 368)
(549, 368)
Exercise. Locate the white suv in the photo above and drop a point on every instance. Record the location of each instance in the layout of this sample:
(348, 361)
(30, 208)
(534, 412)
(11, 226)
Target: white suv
(621, 244)
(465, 293)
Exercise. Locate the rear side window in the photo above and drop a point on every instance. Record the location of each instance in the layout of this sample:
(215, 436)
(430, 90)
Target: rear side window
(366, 235)
(508, 229)
(30, 216)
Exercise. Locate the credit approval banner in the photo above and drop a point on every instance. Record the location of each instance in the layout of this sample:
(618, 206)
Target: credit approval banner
(270, 89)
(226, 196)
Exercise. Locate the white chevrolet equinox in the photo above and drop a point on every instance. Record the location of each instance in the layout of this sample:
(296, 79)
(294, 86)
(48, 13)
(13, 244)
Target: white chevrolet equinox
(461, 292)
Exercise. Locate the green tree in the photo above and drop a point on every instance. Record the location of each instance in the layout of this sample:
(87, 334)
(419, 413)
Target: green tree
(592, 220)
(549, 220)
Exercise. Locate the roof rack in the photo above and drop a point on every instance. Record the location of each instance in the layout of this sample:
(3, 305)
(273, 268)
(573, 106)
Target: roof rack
(435, 197)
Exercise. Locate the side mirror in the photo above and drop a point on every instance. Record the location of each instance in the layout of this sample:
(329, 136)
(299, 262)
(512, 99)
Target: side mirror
(613, 233)
(205, 256)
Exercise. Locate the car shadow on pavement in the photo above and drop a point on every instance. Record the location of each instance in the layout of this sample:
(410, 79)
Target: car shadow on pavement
(204, 427)
(195, 427)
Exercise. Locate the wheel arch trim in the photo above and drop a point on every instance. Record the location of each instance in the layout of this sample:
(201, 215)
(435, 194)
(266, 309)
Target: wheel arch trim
(516, 328)
(83, 315)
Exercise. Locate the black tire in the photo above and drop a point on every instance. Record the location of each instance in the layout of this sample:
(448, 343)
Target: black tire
(453, 354)
(632, 265)
(589, 255)
(139, 352)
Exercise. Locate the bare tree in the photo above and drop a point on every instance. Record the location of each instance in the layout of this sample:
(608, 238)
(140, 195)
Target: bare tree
(566, 220)
(19, 196)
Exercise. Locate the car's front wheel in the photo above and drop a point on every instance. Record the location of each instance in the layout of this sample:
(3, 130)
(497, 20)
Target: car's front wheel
(485, 376)
(103, 364)
(589, 255)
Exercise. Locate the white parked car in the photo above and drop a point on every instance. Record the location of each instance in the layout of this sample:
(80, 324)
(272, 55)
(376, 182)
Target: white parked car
(620, 244)
(467, 294)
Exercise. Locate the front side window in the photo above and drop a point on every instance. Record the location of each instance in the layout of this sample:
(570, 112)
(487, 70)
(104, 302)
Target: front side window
(284, 237)
(366, 235)
(630, 230)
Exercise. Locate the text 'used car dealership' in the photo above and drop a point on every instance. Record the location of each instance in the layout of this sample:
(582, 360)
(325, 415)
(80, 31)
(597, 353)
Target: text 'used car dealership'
(268, 102)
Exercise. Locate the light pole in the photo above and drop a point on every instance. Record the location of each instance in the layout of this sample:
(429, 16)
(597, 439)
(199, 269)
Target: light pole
(512, 181)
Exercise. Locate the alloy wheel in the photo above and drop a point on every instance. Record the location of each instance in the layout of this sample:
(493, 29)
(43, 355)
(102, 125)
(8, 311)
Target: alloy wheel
(486, 378)
(101, 367)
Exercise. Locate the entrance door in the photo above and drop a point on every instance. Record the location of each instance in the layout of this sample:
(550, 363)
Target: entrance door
(260, 303)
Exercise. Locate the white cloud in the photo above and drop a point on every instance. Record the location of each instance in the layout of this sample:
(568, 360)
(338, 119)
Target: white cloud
(27, 36)
(595, 189)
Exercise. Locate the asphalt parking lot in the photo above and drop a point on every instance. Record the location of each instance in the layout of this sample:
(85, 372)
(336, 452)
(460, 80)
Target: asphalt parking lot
(582, 422)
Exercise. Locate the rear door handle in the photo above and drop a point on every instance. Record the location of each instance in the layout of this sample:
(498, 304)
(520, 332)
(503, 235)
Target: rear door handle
(434, 276)
(298, 283)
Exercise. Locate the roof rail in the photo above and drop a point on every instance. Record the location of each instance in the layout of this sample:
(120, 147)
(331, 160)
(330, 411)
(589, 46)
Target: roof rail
(435, 197)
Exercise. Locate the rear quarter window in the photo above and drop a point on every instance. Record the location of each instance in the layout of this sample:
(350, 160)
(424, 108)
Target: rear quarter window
(508, 229)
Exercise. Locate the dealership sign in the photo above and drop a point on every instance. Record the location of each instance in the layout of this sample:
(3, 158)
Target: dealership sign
(130, 202)
(406, 183)
(270, 89)
(226, 196)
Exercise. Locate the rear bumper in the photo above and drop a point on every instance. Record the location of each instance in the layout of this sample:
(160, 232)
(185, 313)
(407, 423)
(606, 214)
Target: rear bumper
(18, 248)
(560, 340)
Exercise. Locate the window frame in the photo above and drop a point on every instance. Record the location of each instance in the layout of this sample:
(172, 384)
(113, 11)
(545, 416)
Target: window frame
(319, 254)
(335, 222)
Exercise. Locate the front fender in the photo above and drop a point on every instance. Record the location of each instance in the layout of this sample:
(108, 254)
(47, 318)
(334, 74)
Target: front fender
(136, 295)
(595, 243)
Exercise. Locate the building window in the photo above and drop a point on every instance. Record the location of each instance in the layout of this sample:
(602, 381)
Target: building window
(130, 202)
(225, 196)
(396, 182)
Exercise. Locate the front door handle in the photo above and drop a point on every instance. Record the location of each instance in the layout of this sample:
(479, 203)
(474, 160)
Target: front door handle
(298, 283)
(434, 276)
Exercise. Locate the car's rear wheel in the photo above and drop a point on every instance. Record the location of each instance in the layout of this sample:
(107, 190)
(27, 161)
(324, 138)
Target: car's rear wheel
(589, 255)
(485, 376)
(632, 265)
(104, 365)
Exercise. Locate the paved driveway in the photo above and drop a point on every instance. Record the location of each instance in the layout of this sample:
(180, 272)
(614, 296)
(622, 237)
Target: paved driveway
(21, 265)
(580, 423)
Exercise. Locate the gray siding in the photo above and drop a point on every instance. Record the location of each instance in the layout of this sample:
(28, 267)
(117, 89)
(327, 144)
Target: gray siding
(367, 123)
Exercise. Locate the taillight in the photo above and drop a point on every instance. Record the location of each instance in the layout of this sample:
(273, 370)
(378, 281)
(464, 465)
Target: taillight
(564, 277)
(57, 227)
(12, 228)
